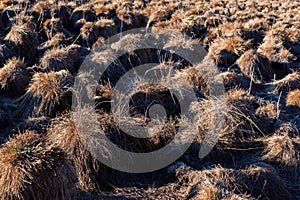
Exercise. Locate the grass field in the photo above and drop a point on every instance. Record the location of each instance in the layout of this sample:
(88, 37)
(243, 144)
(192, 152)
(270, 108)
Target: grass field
(255, 45)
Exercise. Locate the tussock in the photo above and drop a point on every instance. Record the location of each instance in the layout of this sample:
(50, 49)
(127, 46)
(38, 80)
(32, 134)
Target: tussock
(282, 146)
(226, 51)
(255, 45)
(62, 11)
(293, 98)
(83, 12)
(66, 58)
(54, 26)
(262, 183)
(14, 78)
(194, 78)
(31, 169)
(281, 59)
(107, 27)
(221, 183)
(98, 42)
(240, 128)
(279, 149)
(24, 40)
(56, 41)
(131, 43)
(130, 19)
(48, 94)
(64, 134)
(233, 80)
(149, 94)
(288, 83)
(268, 110)
(255, 66)
(104, 96)
(254, 30)
(89, 33)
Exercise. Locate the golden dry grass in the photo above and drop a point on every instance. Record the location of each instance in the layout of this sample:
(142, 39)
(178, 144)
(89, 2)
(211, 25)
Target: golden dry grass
(47, 94)
(64, 134)
(255, 45)
(63, 58)
(14, 77)
(255, 66)
(32, 169)
(226, 51)
(24, 39)
(293, 98)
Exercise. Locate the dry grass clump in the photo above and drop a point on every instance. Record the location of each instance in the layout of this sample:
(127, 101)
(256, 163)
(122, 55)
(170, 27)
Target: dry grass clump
(283, 147)
(192, 25)
(54, 26)
(83, 12)
(107, 27)
(129, 18)
(226, 51)
(64, 134)
(262, 183)
(57, 40)
(280, 149)
(89, 33)
(62, 11)
(194, 77)
(31, 169)
(254, 44)
(268, 110)
(149, 94)
(104, 96)
(221, 183)
(14, 78)
(293, 98)
(104, 8)
(132, 43)
(48, 93)
(65, 58)
(238, 131)
(224, 30)
(233, 80)
(5, 3)
(281, 58)
(254, 30)
(98, 42)
(255, 66)
(288, 83)
(40, 12)
(22, 18)
(24, 40)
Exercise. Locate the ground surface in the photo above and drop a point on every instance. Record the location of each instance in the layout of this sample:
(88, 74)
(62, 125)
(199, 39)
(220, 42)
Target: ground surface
(254, 45)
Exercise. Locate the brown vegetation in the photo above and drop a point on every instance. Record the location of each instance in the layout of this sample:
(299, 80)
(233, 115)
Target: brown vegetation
(14, 78)
(293, 98)
(47, 94)
(64, 134)
(67, 58)
(226, 51)
(255, 66)
(31, 169)
(254, 45)
(24, 40)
